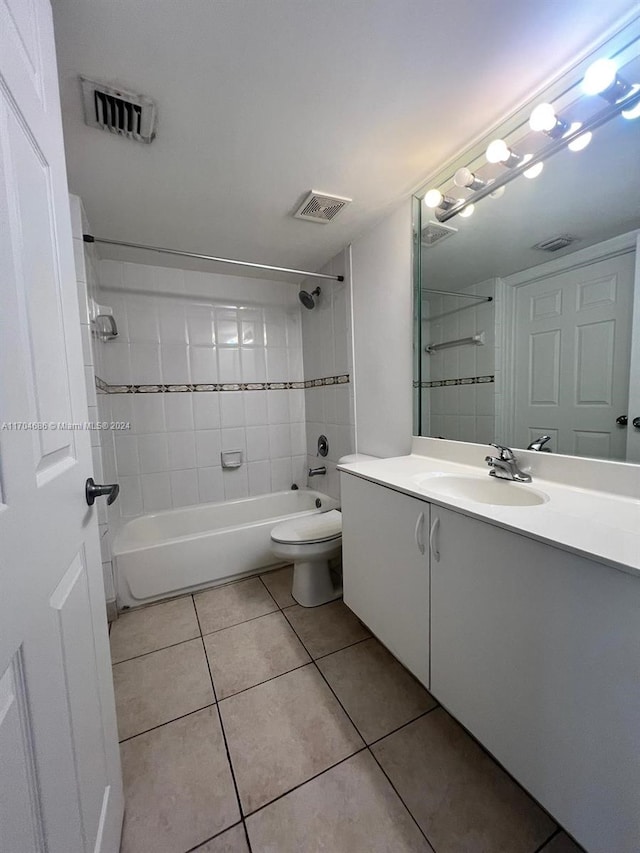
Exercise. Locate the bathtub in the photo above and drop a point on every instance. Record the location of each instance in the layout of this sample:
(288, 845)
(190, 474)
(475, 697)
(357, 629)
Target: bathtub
(181, 550)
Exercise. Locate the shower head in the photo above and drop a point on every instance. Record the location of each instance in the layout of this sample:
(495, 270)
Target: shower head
(307, 298)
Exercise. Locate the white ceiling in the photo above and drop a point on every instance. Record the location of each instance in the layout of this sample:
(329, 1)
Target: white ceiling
(262, 100)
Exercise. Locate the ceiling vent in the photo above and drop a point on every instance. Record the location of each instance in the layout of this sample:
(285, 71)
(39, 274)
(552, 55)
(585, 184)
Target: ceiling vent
(118, 111)
(435, 232)
(320, 207)
(554, 244)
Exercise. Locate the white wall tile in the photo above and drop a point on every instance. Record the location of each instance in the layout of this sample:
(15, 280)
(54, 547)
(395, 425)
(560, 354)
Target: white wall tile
(279, 440)
(277, 364)
(232, 409)
(200, 325)
(178, 409)
(253, 364)
(278, 407)
(206, 410)
(257, 438)
(255, 407)
(126, 448)
(184, 488)
(281, 474)
(142, 319)
(236, 483)
(210, 484)
(145, 363)
(130, 497)
(204, 364)
(208, 447)
(156, 492)
(153, 452)
(147, 412)
(172, 321)
(259, 477)
(233, 439)
(229, 365)
(182, 450)
(298, 439)
(175, 364)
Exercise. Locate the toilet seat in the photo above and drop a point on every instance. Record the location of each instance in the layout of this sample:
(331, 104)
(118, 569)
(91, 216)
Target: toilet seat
(310, 529)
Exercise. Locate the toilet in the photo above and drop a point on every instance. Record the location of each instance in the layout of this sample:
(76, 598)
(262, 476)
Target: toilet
(310, 542)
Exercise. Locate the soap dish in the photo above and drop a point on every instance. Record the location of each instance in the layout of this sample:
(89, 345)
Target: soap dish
(231, 458)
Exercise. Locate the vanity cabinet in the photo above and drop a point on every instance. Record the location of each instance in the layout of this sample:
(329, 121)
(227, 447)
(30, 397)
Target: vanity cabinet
(537, 652)
(385, 556)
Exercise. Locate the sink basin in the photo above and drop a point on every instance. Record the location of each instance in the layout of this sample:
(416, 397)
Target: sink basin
(484, 490)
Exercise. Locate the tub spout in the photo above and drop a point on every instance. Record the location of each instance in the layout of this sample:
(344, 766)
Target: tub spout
(316, 472)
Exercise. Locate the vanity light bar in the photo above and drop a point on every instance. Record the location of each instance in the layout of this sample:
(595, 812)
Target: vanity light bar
(629, 104)
(601, 78)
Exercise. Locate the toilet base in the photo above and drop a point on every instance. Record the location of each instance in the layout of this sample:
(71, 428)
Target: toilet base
(312, 584)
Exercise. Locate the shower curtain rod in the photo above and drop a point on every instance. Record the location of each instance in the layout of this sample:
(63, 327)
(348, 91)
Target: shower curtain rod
(460, 295)
(89, 238)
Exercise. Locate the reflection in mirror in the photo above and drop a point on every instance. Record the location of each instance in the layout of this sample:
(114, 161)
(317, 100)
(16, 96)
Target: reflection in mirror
(526, 308)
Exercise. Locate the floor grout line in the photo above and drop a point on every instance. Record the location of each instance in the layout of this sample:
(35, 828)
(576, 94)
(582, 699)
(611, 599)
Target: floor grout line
(224, 738)
(167, 722)
(557, 831)
(212, 837)
(366, 746)
(153, 651)
(306, 782)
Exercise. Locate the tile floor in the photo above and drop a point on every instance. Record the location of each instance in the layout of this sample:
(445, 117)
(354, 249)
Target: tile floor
(249, 723)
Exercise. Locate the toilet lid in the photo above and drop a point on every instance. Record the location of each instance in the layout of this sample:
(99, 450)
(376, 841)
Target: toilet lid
(320, 527)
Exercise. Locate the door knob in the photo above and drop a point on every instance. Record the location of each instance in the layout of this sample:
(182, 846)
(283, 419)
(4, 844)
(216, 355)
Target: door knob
(93, 490)
(636, 422)
(622, 420)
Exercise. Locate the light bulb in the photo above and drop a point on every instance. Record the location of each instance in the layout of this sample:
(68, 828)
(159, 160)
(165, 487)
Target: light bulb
(433, 198)
(599, 77)
(465, 178)
(498, 151)
(580, 142)
(534, 171)
(468, 211)
(543, 118)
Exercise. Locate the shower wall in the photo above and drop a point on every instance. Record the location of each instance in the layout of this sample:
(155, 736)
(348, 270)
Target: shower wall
(104, 466)
(204, 363)
(328, 361)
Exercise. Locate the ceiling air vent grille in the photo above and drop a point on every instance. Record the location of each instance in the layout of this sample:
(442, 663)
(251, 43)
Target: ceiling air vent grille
(320, 207)
(118, 111)
(435, 232)
(554, 244)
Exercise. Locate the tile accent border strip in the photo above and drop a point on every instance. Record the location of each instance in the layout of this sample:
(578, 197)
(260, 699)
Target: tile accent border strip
(445, 383)
(189, 387)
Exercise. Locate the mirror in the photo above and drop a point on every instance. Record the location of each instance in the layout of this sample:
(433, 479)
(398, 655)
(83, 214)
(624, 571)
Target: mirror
(544, 345)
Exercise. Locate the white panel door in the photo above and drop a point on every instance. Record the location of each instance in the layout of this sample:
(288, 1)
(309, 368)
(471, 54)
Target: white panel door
(633, 432)
(385, 567)
(572, 347)
(60, 780)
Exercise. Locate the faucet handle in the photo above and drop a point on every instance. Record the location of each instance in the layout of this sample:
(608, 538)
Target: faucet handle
(505, 454)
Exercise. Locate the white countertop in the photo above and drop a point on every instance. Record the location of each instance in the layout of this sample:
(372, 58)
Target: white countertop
(598, 525)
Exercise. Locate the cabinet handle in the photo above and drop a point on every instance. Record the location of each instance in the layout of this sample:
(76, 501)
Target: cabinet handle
(435, 553)
(418, 534)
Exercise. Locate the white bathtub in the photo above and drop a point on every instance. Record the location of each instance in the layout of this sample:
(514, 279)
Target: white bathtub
(180, 550)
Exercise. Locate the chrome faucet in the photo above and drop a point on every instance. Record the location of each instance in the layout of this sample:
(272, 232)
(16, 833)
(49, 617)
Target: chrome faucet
(504, 465)
(539, 442)
(316, 472)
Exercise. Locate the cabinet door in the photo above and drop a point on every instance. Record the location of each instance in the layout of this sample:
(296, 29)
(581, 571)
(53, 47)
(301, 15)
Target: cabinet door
(537, 652)
(386, 568)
